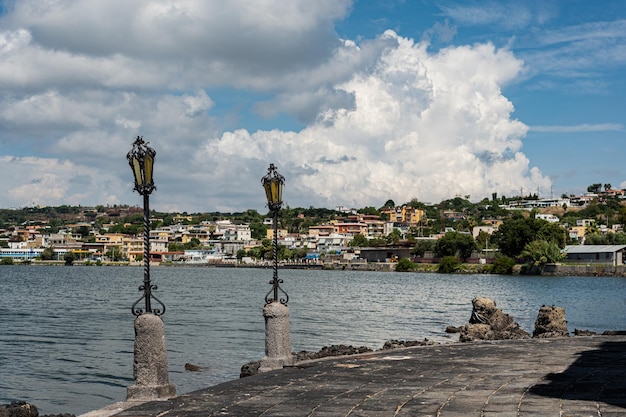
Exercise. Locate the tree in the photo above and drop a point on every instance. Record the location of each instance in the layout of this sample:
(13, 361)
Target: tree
(482, 240)
(594, 188)
(114, 254)
(258, 230)
(449, 264)
(405, 265)
(422, 246)
(69, 258)
(394, 237)
(359, 241)
(551, 232)
(455, 244)
(607, 187)
(502, 265)
(540, 252)
(389, 204)
(514, 234)
(371, 210)
(48, 254)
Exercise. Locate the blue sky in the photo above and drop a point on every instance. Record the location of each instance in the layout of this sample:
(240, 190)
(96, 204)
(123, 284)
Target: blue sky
(356, 102)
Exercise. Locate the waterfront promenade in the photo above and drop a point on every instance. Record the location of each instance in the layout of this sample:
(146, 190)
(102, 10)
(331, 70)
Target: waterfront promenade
(575, 376)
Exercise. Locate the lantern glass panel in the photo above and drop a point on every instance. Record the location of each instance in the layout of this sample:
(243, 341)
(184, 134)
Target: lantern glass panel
(268, 191)
(276, 191)
(148, 164)
(137, 172)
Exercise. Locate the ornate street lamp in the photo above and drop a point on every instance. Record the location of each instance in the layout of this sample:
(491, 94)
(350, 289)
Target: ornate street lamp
(273, 184)
(276, 313)
(141, 160)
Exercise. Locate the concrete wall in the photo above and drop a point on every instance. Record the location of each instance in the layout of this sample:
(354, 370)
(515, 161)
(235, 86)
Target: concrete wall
(584, 270)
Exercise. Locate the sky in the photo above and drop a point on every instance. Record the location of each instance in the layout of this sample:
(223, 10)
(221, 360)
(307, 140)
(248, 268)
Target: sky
(355, 101)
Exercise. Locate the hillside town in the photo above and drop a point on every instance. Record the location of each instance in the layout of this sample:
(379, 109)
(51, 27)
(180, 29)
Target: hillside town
(305, 236)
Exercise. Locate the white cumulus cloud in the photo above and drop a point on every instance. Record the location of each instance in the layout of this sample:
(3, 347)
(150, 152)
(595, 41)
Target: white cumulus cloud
(379, 118)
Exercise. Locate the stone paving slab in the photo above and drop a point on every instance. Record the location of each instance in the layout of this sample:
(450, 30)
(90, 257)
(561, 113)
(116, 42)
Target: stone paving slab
(578, 376)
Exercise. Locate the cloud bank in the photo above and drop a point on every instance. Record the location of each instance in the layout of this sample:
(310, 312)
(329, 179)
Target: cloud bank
(382, 118)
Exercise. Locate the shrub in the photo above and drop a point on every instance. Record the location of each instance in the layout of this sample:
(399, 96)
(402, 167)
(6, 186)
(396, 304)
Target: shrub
(405, 265)
(503, 265)
(6, 261)
(449, 264)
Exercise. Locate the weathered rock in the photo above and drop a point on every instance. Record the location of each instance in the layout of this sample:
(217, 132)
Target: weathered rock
(249, 369)
(333, 350)
(395, 344)
(550, 323)
(252, 368)
(488, 322)
(579, 332)
(59, 415)
(614, 333)
(452, 329)
(482, 309)
(192, 368)
(479, 331)
(18, 409)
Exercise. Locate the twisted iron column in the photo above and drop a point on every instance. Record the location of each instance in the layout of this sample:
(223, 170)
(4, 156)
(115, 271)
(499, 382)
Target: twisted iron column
(275, 282)
(275, 248)
(146, 253)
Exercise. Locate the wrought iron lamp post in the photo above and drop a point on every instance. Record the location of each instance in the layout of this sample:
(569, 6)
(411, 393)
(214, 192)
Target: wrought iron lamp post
(273, 184)
(276, 313)
(150, 366)
(141, 160)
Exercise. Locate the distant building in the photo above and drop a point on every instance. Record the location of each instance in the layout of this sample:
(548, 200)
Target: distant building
(547, 217)
(612, 254)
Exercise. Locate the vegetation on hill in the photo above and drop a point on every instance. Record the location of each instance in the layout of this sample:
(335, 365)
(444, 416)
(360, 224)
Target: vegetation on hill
(520, 236)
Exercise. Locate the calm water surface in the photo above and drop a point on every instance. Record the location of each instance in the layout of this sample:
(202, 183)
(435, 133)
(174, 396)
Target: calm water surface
(66, 333)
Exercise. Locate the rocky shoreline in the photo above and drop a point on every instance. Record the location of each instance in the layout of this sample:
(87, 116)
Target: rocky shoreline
(487, 322)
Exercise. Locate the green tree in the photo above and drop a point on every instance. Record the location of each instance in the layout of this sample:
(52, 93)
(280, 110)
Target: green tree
(6, 261)
(455, 244)
(48, 254)
(69, 258)
(514, 234)
(394, 237)
(422, 246)
(502, 265)
(596, 238)
(594, 188)
(482, 240)
(405, 265)
(114, 253)
(551, 232)
(449, 264)
(540, 252)
(359, 241)
(258, 230)
(371, 210)
(389, 204)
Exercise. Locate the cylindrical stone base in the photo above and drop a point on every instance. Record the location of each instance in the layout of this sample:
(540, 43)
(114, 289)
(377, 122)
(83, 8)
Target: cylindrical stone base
(277, 339)
(150, 367)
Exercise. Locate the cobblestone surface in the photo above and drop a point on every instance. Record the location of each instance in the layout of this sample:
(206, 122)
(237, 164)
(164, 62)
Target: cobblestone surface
(577, 376)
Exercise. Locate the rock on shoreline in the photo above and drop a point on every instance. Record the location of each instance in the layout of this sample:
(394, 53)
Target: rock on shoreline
(252, 368)
(24, 409)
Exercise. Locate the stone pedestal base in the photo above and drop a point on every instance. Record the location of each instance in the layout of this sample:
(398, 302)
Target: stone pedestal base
(277, 339)
(150, 367)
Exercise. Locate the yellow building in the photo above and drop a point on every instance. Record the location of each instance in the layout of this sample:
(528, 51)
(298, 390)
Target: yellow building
(404, 214)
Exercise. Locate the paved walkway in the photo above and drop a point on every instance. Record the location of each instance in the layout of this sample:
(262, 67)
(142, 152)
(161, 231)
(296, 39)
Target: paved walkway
(577, 376)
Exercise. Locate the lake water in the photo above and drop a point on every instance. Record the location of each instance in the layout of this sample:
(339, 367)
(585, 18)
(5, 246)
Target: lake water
(66, 333)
